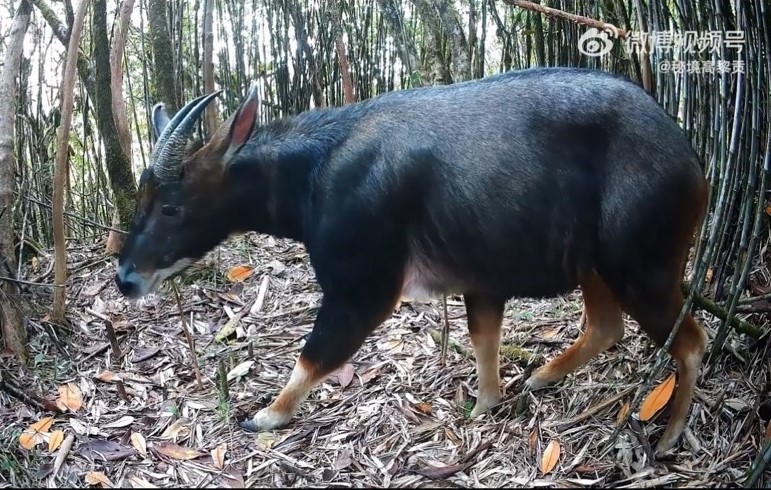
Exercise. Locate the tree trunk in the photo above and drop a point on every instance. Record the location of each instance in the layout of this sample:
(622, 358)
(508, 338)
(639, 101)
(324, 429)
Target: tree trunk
(348, 96)
(404, 42)
(67, 98)
(62, 34)
(441, 18)
(163, 56)
(210, 116)
(11, 325)
(120, 33)
(436, 70)
(125, 194)
(117, 161)
(302, 40)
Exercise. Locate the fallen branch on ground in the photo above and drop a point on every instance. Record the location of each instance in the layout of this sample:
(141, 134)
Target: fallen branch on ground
(713, 308)
(23, 395)
(592, 411)
(758, 466)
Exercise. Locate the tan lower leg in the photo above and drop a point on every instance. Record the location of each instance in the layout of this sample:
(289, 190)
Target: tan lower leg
(303, 379)
(687, 350)
(484, 322)
(486, 350)
(604, 327)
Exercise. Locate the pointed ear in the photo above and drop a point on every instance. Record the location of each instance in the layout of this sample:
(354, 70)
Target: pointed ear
(159, 119)
(235, 131)
(242, 123)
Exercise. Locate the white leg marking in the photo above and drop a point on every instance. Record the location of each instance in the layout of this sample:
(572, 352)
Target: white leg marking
(280, 412)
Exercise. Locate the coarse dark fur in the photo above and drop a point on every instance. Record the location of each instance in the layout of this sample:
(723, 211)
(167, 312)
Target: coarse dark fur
(522, 184)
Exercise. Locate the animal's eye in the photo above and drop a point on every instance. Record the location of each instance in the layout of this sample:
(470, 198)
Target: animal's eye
(170, 210)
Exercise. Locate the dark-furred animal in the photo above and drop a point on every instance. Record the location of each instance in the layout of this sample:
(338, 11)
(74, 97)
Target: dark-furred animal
(525, 184)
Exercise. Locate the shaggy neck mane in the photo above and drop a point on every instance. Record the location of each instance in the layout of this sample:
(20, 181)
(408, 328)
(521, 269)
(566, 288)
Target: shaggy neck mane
(273, 177)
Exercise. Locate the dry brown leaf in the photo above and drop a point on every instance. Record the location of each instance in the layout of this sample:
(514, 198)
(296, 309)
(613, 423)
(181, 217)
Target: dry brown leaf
(104, 449)
(218, 455)
(369, 375)
(622, 413)
(394, 345)
(138, 441)
(550, 457)
(108, 377)
(442, 472)
(55, 440)
(344, 375)
(708, 278)
(177, 429)
(33, 435)
(532, 441)
(768, 431)
(70, 398)
(98, 478)
(94, 288)
(424, 407)
(240, 370)
(452, 436)
(138, 482)
(239, 273)
(460, 397)
(124, 421)
(657, 398)
(82, 429)
(175, 451)
(344, 460)
(736, 404)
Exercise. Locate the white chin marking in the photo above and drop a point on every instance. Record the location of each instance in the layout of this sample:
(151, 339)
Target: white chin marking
(151, 283)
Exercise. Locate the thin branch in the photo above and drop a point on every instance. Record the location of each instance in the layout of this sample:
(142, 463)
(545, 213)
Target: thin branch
(75, 216)
(578, 19)
(190, 340)
(30, 283)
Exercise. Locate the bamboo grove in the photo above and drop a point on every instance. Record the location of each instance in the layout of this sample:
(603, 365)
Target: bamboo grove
(311, 54)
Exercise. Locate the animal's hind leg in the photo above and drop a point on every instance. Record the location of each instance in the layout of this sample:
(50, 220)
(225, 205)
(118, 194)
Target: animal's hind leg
(604, 326)
(485, 315)
(687, 349)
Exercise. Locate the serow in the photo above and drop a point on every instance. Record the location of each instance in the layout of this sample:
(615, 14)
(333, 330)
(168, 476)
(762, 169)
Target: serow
(529, 183)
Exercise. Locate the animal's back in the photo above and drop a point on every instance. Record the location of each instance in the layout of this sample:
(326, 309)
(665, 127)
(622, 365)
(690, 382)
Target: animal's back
(521, 183)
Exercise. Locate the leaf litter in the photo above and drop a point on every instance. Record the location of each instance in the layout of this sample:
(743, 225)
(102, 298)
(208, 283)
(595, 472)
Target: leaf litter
(391, 416)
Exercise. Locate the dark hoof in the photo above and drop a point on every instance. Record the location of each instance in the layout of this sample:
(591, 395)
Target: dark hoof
(249, 425)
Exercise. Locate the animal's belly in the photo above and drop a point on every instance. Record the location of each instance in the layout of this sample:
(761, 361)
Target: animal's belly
(423, 282)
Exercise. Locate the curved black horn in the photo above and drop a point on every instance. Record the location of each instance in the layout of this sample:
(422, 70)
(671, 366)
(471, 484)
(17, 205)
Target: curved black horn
(172, 140)
(171, 125)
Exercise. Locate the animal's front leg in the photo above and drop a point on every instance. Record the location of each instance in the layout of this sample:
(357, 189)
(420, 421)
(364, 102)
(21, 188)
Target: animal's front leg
(340, 329)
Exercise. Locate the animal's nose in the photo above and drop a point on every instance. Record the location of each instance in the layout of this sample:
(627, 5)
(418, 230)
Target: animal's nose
(126, 284)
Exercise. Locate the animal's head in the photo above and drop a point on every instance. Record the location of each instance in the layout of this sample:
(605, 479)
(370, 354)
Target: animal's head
(184, 207)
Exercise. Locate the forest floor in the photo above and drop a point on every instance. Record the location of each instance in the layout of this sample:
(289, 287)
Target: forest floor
(394, 416)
